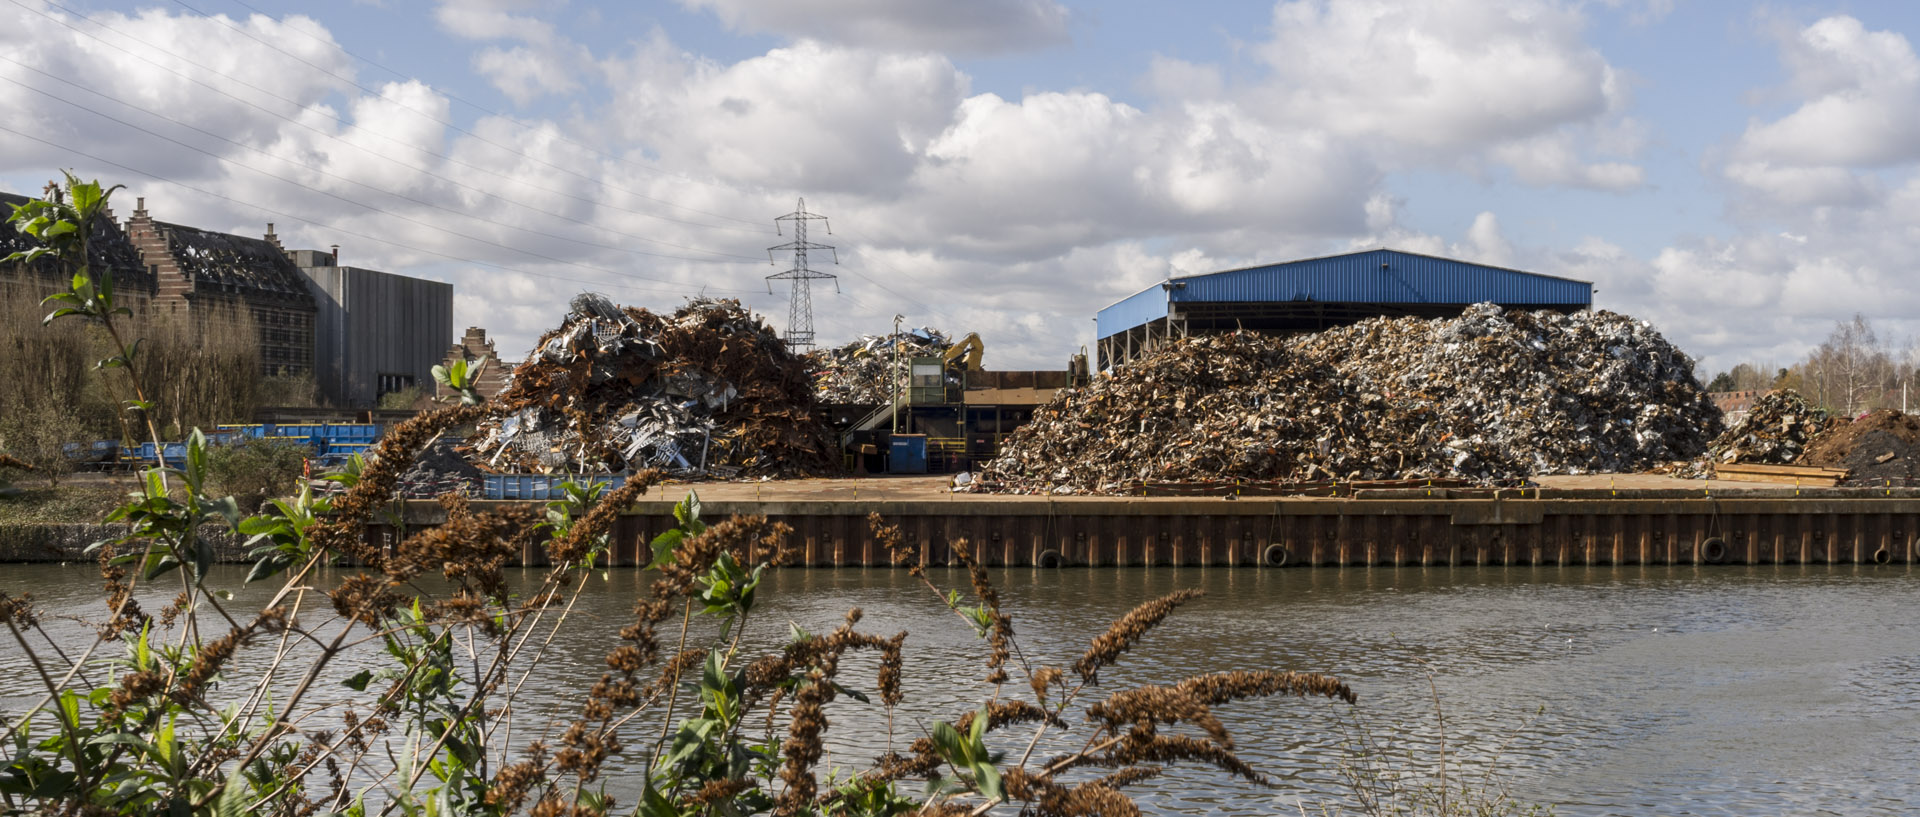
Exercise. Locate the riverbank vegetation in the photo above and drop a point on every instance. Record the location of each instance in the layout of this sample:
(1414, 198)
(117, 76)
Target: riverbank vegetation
(199, 708)
(392, 677)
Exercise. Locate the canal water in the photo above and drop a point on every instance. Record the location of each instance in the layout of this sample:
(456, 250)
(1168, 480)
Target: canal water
(1599, 691)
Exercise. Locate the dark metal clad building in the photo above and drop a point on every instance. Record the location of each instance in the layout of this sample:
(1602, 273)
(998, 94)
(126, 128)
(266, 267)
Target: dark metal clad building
(374, 332)
(1318, 293)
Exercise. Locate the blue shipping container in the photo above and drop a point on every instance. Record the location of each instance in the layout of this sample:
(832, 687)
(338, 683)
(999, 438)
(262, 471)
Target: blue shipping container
(540, 486)
(909, 454)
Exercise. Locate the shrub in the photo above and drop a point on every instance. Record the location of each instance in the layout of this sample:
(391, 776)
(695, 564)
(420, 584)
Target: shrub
(438, 724)
(36, 437)
(403, 399)
(255, 470)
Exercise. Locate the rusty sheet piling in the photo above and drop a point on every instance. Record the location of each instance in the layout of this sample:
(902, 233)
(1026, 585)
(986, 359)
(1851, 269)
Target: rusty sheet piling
(1558, 529)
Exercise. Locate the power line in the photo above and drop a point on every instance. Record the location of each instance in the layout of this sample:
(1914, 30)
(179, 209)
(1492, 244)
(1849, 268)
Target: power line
(326, 226)
(369, 207)
(343, 122)
(915, 303)
(330, 174)
(249, 35)
(491, 112)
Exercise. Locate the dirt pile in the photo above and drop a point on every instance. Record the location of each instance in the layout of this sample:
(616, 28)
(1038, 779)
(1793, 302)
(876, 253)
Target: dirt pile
(1878, 449)
(865, 371)
(707, 391)
(1489, 397)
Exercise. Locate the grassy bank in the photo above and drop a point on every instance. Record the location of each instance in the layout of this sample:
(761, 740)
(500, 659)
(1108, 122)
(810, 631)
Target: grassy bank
(70, 503)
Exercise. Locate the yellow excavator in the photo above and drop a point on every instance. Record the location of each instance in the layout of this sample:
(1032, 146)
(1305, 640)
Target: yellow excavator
(966, 354)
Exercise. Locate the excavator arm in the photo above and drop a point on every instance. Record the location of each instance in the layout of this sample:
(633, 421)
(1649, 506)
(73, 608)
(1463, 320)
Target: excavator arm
(968, 350)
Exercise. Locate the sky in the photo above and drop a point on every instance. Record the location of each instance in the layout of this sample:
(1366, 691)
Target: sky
(1741, 176)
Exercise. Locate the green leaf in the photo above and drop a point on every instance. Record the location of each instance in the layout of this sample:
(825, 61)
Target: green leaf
(233, 799)
(268, 566)
(987, 779)
(226, 508)
(256, 525)
(359, 681)
(196, 471)
(203, 559)
(852, 693)
(946, 741)
(663, 546)
(158, 563)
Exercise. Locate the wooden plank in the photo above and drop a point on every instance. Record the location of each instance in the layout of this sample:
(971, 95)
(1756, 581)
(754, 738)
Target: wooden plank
(1807, 481)
(1805, 472)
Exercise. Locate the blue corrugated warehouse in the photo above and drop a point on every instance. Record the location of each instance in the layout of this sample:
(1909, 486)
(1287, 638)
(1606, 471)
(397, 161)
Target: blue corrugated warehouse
(1317, 293)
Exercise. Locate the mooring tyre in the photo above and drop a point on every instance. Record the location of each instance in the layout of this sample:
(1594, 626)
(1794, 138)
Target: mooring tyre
(1051, 559)
(1881, 556)
(1713, 551)
(1274, 556)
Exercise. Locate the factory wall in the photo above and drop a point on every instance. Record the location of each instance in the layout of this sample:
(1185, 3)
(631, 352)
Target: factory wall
(375, 332)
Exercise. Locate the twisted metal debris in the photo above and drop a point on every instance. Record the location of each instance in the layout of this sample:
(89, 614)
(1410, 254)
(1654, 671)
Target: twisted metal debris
(863, 372)
(709, 390)
(1488, 397)
(1776, 431)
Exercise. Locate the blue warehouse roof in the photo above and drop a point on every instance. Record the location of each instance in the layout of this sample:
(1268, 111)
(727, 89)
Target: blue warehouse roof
(1315, 293)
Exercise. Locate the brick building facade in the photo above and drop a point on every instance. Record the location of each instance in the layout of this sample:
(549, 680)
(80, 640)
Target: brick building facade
(202, 271)
(107, 249)
(472, 348)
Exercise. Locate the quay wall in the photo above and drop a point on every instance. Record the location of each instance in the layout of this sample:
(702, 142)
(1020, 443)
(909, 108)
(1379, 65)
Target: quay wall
(1616, 528)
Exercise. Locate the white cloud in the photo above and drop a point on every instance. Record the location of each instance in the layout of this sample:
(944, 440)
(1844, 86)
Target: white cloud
(1551, 160)
(973, 26)
(545, 63)
(1859, 109)
(1436, 79)
(775, 121)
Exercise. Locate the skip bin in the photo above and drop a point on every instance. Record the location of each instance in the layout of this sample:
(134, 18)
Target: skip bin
(909, 454)
(540, 486)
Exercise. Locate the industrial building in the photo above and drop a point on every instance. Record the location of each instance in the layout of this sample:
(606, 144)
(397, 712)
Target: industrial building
(107, 249)
(374, 332)
(203, 272)
(358, 333)
(1319, 293)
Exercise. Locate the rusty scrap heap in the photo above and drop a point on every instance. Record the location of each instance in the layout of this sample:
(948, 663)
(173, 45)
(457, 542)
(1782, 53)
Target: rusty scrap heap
(1489, 396)
(1207, 408)
(708, 390)
(1777, 430)
(1515, 394)
(858, 372)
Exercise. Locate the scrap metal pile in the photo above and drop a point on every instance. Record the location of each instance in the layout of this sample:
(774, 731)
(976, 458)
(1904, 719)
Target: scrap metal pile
(708, 390)
(1488, 397)
(1776, 431)
(864, 371)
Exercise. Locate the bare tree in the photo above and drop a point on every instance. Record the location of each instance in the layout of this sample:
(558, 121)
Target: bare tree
(1853, 369)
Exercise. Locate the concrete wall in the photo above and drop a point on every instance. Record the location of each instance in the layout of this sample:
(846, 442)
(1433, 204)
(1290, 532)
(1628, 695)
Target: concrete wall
(374, 323)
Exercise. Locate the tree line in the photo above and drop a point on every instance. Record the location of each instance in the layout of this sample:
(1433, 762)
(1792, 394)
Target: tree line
(1851, 372)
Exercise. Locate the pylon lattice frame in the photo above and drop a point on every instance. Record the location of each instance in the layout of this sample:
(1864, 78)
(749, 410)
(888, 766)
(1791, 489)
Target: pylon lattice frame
(800, 306)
